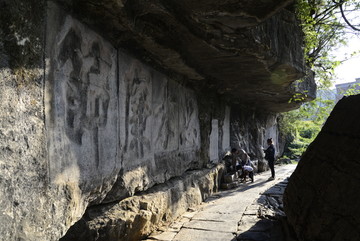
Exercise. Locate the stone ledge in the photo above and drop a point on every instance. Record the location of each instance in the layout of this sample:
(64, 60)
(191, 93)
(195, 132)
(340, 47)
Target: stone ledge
(136, 217)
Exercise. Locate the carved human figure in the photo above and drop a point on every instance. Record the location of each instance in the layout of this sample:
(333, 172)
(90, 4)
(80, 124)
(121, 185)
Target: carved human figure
(138, 101)
(165, 116)
(190, 127)
(86, 91)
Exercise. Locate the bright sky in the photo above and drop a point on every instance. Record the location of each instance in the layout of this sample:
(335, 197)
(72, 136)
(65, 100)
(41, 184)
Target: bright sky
(350, 69)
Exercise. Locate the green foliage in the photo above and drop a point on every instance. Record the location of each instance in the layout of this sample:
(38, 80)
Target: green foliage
(353, 89)
(298, 97)
(325, 26)
(300, 127)
(324, 30)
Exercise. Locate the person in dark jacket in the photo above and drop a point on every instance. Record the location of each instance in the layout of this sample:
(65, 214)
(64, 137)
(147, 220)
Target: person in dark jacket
(270, 157)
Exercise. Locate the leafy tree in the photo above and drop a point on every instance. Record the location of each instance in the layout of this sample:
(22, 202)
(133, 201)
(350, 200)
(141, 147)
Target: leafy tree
(300, 127)
(346, 7)
(326, 25)
(353, 89)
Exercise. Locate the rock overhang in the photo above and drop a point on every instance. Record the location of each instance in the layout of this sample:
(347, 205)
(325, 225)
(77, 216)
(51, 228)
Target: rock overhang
(250, 53)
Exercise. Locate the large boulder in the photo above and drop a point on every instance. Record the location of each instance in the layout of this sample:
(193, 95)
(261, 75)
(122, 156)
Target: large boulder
(321, 199)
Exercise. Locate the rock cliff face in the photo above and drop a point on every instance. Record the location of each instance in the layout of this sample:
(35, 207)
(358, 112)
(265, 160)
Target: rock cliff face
(105, 103)
(320, 199)
(250, 131)
(211, 43)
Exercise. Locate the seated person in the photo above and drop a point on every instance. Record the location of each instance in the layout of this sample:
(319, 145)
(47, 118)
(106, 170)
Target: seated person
(232, 161)
(228, 162)
(236, 161)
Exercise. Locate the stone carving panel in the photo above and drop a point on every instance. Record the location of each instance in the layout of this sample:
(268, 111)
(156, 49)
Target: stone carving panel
(188, 120)
(226, 131)
(214, 141)
(166, 115)
(84, 111)
(156, 115)
(138, 99)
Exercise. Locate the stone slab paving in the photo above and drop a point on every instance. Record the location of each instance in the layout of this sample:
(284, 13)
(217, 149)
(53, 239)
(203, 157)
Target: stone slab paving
(238, 214)
(209, 235)
(213, 225)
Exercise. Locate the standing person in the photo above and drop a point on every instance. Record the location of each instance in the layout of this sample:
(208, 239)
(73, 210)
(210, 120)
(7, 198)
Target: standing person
(270, 157)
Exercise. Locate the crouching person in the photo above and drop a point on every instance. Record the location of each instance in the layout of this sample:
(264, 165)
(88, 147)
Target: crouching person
(247, 169)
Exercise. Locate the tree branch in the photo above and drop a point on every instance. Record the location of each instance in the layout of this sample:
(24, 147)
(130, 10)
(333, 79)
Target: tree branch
(344, 17)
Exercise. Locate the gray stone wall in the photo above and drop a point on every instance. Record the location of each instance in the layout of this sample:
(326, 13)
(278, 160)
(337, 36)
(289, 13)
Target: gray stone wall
(84, 123)
(99, 127)
(81, 107)
(250, 130)
(226, 130)
(159, 128)
(214, 141)
(26, 205)
(112, 121)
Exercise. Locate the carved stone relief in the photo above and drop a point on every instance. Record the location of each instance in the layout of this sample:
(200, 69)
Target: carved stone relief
(214, 141)
(188, 120)
(158, 127)
(226, 131)
(166, 115)
(138, 80)
(85, 101)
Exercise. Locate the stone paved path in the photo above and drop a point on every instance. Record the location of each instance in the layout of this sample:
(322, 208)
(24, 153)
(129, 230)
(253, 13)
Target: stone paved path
(229, 215)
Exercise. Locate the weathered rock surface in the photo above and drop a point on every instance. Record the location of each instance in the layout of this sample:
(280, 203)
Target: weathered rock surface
(107, 113)
(84, 123)
(249, 52)
(136, 217)
(29, 210)
(249, 131)
(321, 197)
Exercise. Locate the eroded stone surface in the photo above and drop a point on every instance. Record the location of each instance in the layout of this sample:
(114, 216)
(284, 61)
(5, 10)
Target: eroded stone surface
(212, 44)
(136, 217)
(29, 209)
(82, 107)
(108, 126)
(249, 131)
(214, 141)
(159, 128)
(226, 131)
